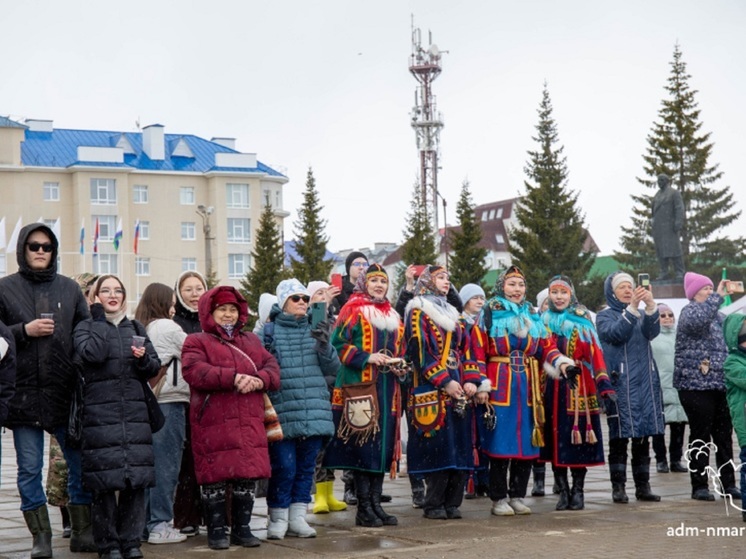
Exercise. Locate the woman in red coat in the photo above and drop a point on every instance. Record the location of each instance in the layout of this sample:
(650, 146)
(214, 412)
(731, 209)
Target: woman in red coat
(228, 371)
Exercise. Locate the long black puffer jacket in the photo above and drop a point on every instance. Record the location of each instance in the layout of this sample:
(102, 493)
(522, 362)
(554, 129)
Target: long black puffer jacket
(117, 440)
(45, 374)
(7, 369)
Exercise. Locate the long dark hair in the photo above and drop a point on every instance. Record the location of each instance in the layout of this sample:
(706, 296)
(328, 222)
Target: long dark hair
(155, 303)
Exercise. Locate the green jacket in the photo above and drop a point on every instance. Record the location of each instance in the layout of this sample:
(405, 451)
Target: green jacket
(735, 375)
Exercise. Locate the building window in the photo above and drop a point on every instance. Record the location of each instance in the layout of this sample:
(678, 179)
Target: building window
(238, 265)
(499, 212)
(107, 227)
(237, 195)
(266, 197)
(105, 264)
(142, 266)
(51, 192)
(484, 215)
(188, 231)
(186, 195)
(238, 230)
(499, 238)
(103, 191)
(492, 214)
(144, 230)
(188, 264)
(278, 199)
(140, 194)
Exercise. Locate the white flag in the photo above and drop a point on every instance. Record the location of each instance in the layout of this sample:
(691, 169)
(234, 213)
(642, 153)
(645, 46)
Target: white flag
(11, 249)
(2, 233)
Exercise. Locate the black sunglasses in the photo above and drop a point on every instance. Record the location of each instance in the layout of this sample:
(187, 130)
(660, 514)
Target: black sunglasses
(34, 247)
(296, 298)
(667, 315)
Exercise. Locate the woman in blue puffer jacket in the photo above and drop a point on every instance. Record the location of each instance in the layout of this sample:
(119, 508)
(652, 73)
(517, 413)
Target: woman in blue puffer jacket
(699, 378)
(302, 405)
(625, 331)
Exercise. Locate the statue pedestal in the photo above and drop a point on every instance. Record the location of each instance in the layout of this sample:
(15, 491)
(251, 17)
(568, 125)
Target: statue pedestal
(668, 290)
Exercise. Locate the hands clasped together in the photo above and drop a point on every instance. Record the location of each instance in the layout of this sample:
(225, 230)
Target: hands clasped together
(248, 383)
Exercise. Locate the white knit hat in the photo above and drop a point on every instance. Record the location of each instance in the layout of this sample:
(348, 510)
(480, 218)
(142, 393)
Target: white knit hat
(620, 278)
(314, 286)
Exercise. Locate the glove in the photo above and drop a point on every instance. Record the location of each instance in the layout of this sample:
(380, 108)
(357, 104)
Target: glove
(610, 396)
(321, 333)
(97, 312)
(571, 375)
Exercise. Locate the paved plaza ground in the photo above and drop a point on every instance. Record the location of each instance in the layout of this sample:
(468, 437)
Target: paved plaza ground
(675, 527)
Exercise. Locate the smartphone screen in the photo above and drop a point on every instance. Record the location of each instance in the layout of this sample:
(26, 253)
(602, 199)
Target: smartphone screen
(337, 281)
(643, 280)
(318, 313)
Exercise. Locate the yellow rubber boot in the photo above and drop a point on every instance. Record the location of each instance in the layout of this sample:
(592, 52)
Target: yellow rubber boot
(320, 505)
(333, 504)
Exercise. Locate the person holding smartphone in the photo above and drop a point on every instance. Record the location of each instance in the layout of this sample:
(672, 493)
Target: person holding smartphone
(625, 331)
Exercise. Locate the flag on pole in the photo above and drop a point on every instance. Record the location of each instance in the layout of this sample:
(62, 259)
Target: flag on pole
(137, 235)
(726, 300)
(118, 235)
(82, 236)
(95, 237)
(2, 233)
(57, 229)
(14, 238)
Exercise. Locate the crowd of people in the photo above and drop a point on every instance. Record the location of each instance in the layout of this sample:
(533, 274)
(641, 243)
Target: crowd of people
(181, 414)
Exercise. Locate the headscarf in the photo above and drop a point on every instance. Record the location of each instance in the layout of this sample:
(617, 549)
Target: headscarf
(662, 307)
(508, 317)
(574, 316)
(377, 311)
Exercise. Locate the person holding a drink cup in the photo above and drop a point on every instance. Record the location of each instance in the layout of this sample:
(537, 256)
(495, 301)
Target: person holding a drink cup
(117, 439)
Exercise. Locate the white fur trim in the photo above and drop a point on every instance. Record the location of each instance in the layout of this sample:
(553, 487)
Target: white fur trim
(445, 319)
(3, 348)
(383, 321)
(485, 386)
(553, 370)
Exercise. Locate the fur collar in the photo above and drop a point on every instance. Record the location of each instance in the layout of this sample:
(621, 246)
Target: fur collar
(382, 319)
(443, 314)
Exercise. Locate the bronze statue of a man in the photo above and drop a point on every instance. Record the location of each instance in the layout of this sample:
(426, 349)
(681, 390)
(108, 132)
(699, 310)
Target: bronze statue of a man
(667, 221)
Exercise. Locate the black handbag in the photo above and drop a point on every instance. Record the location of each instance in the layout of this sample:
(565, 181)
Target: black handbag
(155, 415)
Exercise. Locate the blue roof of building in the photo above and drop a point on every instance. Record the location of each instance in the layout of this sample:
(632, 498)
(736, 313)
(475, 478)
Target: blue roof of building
(5, 122)
(59, 148)
(290, 251)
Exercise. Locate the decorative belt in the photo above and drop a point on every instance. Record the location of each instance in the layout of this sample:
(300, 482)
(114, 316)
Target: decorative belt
(499, 359)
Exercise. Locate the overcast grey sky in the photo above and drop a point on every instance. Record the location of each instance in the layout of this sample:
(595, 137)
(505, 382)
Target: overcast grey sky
(326, 84)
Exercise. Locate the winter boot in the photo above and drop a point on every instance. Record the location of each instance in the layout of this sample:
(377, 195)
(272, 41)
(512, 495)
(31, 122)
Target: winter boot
(297, 525)
(334, 504)
(577, 498)
(618, 474)
(213, 503)
(38, 524)
(540, 472)
(376, 488)
(365, 515)
(241, 509)
(277, 526)
(350, 495)
(66, 528)
(81, 537)
(320, 504)
(418, 491)
(641, 475)
(560, 478)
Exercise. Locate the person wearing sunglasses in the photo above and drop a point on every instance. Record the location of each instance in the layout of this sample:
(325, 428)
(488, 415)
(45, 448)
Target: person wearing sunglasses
(45, 377)
(664, 345)
(302, 404)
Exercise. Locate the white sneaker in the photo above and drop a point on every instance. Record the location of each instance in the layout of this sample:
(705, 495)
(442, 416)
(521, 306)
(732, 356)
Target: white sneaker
(519, 507)
(163, 533)
(502, 508)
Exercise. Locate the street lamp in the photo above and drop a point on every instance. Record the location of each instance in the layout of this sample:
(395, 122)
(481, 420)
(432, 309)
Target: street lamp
(205, 213)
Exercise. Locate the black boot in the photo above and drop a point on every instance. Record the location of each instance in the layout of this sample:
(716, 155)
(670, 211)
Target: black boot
(350, 494)
(241, 509)
(365, 515)
(213, 503)
(81, 537)
(66, 528)
(376, 489)
(418, 491)
(641, 475)
(577, 498)
(560, 478)
(38, 524)
(618, 480)
(540, 472)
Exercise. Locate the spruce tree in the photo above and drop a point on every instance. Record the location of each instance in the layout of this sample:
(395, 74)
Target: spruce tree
(419, 241)
(466, 264)
(310, 239)
(678, 147)
(550, 234)
(267, 266)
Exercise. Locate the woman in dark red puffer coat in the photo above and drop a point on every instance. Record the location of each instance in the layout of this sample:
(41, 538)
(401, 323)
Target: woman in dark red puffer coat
(228, 371)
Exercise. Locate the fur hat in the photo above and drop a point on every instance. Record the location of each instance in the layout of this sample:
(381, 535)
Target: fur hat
(469, 291)
(224, 297)
(620, 278)
(354, 255)
(694, 282)
(289, 287)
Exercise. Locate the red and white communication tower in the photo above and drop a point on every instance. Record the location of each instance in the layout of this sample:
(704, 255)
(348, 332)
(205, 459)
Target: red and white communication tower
(424, 65)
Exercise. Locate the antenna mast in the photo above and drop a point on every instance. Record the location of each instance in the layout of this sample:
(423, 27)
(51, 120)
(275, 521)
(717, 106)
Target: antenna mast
(424, 65)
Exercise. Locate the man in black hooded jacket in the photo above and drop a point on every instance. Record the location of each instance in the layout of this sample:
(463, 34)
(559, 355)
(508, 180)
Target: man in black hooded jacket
(41, 309)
